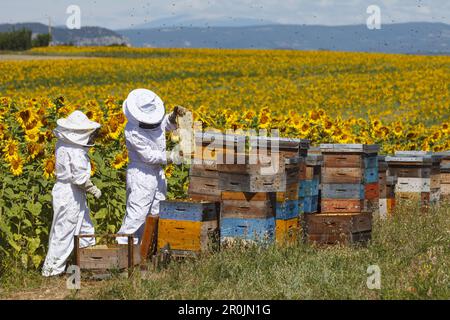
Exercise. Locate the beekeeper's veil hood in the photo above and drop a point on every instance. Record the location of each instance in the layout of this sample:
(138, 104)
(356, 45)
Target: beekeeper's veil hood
(144, 106)
(76, 129)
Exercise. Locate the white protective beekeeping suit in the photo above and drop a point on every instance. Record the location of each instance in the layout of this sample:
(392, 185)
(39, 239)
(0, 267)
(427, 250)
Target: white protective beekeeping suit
(146, 144)
(70, 210)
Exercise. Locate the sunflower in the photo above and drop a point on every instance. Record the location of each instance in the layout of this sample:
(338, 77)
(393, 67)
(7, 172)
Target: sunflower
(169, 170)
(93, 168)
(33, 124)
(49, 167)
(120, 160)
(435, 136)
(445, 127)
(264, 120)
(304, 128)
(34, 149)
(327, 126)
(11, 150)
(3, 130)
(16, 165)
(376, 123)
(314, 116)
(397, 129)
(25, 116)
(32, 135)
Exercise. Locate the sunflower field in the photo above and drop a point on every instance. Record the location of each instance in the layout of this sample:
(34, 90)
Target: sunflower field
(401, 102)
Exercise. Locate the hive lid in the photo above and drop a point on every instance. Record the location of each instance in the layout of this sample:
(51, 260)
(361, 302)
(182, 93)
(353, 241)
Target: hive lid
(435, 158)
(349, 148)
(410, 160)
(208, 137)
(283, 143)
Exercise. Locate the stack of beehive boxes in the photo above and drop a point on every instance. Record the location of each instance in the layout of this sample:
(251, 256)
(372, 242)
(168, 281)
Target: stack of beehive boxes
(387, 189)
(445, 175)
(349, 195)
(188, 227)
(418, 176)
(260, 200)
(309, 184)
(210, 148)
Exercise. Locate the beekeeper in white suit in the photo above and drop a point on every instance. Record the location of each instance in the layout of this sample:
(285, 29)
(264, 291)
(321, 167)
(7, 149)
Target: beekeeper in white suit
(146, 144)
(70, 211)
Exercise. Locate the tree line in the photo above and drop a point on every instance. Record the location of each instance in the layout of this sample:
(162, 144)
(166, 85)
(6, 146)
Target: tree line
(17, 40)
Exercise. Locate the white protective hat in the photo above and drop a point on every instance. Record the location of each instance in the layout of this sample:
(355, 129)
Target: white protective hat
(144, 106)
(77, 120)
(76, 128)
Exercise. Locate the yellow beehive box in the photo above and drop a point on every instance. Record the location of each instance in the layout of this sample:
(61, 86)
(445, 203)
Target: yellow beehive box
(287, 231)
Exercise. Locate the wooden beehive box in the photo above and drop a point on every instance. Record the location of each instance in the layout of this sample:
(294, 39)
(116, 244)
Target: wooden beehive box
(334, 228)
(247, 230)
(286, 147)
(188, 227)
(287, 232)
(109, 256)
(349, 178)
(259, 176)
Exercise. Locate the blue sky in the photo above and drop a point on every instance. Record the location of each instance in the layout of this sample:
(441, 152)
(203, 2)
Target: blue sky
(118, 14)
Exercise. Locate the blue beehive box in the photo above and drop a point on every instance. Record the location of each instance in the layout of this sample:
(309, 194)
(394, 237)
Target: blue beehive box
(257, 230)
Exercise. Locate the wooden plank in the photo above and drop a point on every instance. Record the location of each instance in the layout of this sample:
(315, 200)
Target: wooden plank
(291, 193)
(345, 239)
(248, 196)
(371, 191)
(193, 236)
(287, 231)
(342, 175)
(252, 183)
(421, 197)
(422, 161)
(370, 175)
(204, 197)
(259, 230)
(187, 210)
(305, 188)
(445, 189)
(352, 148)
(247, 209)
(350, 160)
(343, 191)
(204, 171)
(333, 160)
(410, 171)
(287, 210)
(445, 178)
(149, 237)
(347, 205)
(113, 256)
(383, 208)
(201, 185)
(413, 185)
(321, 223)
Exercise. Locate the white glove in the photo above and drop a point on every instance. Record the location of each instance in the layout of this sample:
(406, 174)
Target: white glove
(89, 187)
(174, 156)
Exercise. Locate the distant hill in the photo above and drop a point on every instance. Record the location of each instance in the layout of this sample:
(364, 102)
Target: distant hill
(86, 36)
(190, 21)
(417, 38)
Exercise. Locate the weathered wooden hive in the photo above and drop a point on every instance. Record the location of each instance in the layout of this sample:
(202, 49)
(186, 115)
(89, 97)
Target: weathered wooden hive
(418, 176)
(387, 189)
(188, 227)
(349, 195)
(445, 174)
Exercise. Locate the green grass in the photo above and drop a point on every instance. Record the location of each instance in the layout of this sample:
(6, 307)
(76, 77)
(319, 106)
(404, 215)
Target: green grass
(412, 250)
